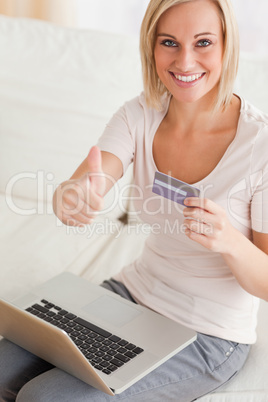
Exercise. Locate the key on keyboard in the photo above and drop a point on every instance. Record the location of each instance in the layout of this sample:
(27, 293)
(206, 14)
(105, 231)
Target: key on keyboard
(104, 350)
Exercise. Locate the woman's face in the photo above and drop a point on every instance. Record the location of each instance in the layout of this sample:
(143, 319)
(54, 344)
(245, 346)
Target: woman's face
(188, 50)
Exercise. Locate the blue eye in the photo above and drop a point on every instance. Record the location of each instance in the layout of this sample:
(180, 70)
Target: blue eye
(203, 43)
(168, 43)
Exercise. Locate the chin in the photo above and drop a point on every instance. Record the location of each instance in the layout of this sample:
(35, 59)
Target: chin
(195, 97)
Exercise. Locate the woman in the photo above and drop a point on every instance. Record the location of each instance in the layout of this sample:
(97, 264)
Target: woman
(209, 272)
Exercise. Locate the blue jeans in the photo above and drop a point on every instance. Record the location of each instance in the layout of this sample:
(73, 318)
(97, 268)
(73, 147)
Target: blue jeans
(198, 369)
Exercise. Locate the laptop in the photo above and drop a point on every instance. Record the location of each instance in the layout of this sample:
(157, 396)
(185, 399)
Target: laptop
(92, 333)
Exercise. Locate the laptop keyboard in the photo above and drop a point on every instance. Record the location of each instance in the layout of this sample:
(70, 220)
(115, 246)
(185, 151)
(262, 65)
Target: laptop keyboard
(105, 352)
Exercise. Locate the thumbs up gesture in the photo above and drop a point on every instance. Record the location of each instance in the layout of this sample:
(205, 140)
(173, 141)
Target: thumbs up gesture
(78, 200)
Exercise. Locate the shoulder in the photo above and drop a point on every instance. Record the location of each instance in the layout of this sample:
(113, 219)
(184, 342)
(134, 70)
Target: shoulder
(254, 127)
(137, 109)
(250, 113)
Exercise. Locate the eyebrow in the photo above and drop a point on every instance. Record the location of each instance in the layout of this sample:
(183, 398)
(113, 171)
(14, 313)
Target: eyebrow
(205, 33)
(196, 36)
(164, 34)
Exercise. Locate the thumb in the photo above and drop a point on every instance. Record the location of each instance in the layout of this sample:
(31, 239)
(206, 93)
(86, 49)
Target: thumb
(97, 179)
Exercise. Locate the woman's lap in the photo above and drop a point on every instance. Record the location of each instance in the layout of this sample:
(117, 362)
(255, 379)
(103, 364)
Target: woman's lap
(198, 369)
(17, 367)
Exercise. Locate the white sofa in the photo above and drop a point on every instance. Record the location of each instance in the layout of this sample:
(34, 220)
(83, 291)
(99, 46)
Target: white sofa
(58, 88)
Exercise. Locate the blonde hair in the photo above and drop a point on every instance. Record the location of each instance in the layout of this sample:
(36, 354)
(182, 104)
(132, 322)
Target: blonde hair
(153, 87)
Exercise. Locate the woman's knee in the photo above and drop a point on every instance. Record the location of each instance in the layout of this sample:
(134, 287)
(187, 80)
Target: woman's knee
(37, 390)
(55, 385)
(26, 394)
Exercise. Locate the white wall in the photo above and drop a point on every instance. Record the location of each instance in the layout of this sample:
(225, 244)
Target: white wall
(125, 16)
(121, 16)
(253, 25)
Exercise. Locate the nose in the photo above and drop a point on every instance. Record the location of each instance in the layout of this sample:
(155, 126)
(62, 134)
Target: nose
(185, 60)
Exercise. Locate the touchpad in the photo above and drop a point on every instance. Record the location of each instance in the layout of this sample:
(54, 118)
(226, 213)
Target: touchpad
(112, 311)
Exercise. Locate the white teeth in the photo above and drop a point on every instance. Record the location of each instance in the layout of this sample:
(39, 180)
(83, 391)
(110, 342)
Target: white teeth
(188, 78)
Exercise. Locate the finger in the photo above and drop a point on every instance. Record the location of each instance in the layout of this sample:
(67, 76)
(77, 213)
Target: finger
(205, 241)
(94, 204)
(72, 207)
(71, 213)
(72, 194)
(202, 203)
(199, 227)
(76, 220)
(80, 197)
(200, 215)
(97, 178)
(82, 208)
(213, 215)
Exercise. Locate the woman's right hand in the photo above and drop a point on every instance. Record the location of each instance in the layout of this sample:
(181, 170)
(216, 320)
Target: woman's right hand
(77, 201)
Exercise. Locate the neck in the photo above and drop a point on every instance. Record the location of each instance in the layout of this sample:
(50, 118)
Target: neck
(190, 117)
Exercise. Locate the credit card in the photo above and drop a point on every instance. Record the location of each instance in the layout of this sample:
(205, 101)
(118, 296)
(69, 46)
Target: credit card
(173, 189)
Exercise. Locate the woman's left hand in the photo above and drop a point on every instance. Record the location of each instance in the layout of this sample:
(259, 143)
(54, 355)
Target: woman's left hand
(207, 224)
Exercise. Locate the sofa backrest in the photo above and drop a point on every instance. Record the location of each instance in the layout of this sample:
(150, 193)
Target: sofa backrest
(58, 89)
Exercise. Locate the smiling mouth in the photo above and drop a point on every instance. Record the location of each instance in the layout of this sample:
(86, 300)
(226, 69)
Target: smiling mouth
(188, 78)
